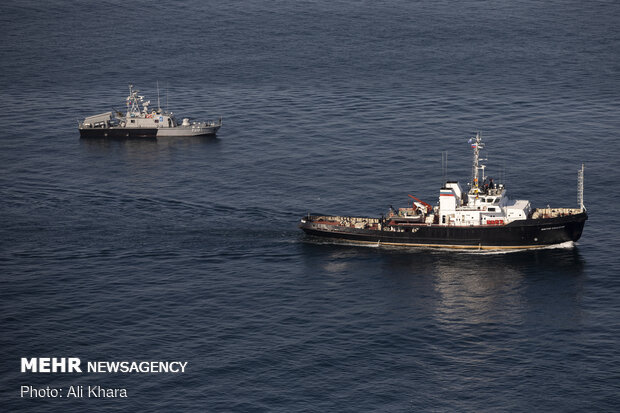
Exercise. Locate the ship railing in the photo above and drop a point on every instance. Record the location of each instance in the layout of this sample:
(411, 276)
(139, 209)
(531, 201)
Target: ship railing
(554, 212)
(343, 220)
(494, 191)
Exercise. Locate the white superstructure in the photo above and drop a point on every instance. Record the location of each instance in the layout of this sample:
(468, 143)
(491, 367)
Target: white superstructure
(486, 203)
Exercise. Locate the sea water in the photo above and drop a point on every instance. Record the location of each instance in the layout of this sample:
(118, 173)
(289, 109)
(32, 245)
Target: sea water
(188, 249)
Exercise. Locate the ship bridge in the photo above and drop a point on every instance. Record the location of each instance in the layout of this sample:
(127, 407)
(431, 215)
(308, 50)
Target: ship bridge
(486, 202)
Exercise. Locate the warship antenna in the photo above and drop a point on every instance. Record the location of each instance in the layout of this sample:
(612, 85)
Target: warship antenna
(134, 100)
(580, 187)
(158, 104)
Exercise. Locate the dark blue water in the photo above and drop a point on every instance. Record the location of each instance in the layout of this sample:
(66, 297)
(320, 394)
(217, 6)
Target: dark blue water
(187, 249)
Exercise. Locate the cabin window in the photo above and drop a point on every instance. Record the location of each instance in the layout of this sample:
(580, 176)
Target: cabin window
(156, 120)
(492, 209)
(133, 121)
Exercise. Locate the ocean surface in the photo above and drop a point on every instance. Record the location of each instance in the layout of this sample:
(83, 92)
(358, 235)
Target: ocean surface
(188, 249)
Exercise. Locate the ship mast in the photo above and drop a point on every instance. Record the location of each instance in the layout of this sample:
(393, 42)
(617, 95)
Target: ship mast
(580, 187)
(133, 101)
(477, 145)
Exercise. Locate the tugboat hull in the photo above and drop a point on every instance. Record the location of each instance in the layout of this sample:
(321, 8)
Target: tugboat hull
(530, 233)
(482, 218)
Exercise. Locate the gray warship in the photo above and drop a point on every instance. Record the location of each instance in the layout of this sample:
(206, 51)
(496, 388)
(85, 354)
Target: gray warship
(141, 122)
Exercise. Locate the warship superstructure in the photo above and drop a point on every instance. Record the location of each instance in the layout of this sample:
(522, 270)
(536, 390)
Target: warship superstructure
(141, 122)
(481, 218)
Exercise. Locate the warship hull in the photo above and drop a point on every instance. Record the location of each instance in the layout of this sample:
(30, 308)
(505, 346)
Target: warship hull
(149, 133)
(529, 233)
(118, 133)
(181, 131)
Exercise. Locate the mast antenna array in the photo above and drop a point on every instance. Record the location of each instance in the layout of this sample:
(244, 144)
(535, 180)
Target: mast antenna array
(477, 145)
(580, 187)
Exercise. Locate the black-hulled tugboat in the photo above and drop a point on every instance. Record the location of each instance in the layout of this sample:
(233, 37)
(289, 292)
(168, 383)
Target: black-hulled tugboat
(481, 218)
(143, 123)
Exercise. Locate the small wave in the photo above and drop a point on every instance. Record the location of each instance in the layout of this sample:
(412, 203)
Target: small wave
(564, 245)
